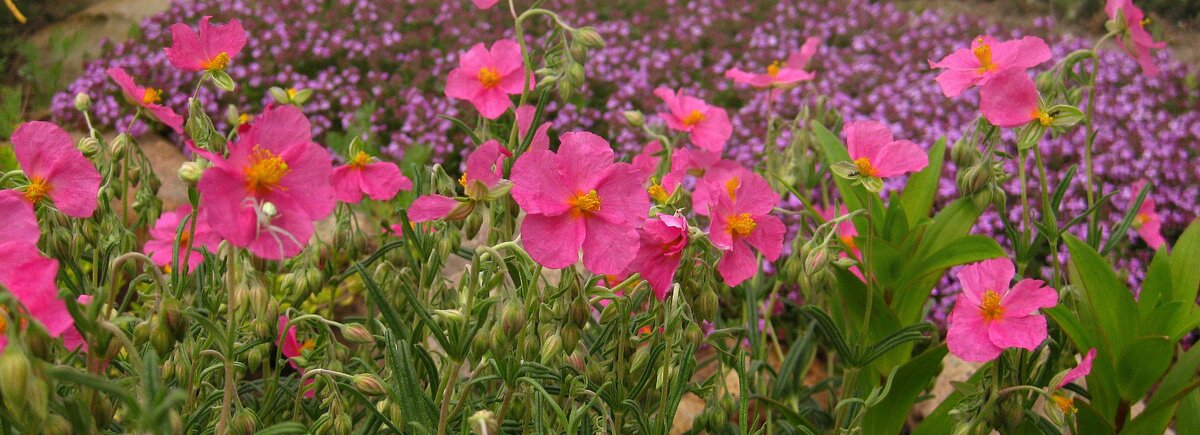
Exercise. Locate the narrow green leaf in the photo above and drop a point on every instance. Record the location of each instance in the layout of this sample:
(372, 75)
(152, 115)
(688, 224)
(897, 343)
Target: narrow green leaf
(1185, 275)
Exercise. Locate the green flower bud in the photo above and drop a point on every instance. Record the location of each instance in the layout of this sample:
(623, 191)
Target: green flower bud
(707, 305)
(368, 384)
(472, 225)
(589, 37)
(89, 146)
(119, 145)
(161, 339)
(244, 421)
(638, 362)
(57, 425)
(693, 334)
(580, 312)
(83, 102)
(570, 337)
(552, 349)
(579, 54)
(483, 423)
(575, 73)
(566, 90)
(14, 376)
(512, 317)
(635, 118)
(190, 172)
(342, 425)
(963, 154)
(38, 398)
(357, 334)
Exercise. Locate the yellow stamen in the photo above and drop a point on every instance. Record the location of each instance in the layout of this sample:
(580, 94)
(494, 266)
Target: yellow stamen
(1065, 404)
(360, 160)
(1140, 220)
(37, 190)
(694, 117)
(217, 63)
(488, 77)
(849, 242)
(983, 52)
(774, 67)
(151, 96)
(309, 344)
(990, 306)
(265, 172)
(15, 12)
(185, 239)
(291, 93)
(1044, 118)
(741, 225)
(1145, 22)
(657, 192)
(463, 180)
(864, 167)
(244, 118)
(587, 202)
(731, 186)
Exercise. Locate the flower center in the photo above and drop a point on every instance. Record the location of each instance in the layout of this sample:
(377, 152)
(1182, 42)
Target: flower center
(588, 202)
(185, 239)
(657, 192)
(1065, 404)
(774, 67)
(37, 190)
(265, 172)
(151, 96)
(291, 93)
(244, 118)
(463, 179)
(990, 307)
(983, 52)
(217, 63)
(849, 242)
(360, 160)
(1140, 220)
(488, 77)
(694, 117)
(309, 345)
(741, 225)
(864, 167)
(1044, 118)
(731, 186)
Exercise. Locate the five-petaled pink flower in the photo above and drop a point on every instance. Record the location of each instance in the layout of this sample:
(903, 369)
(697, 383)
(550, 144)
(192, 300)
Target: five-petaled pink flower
(364, 174)
(484, 169)
(780, 74)
(25, 272)
(876, 153)
(986, 59)
(707, 126)
(1135, 25)
(486, 77)
(1146, 222)
(741, 219)
(56, 169)
(209, 50)
(578, 198)
(1011, 100)
(1082, 369)
(989, 317)
(724, 176)
(661, 248)
(146, 98)
(266, 194)
(161, 246)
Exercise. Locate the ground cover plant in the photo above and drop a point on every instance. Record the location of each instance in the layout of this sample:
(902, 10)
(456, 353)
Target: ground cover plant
(526, 231)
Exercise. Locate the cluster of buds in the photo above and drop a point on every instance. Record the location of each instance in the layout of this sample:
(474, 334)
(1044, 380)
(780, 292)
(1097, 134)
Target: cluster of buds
(564, 63)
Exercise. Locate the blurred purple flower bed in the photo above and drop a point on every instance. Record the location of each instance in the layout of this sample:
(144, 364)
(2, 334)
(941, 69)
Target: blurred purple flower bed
(387, 59)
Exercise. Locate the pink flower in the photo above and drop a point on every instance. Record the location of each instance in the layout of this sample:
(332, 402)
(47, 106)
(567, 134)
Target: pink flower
(1011, 100)
(541, 137)
(1135, 24)
(780, 74)
(1147, 222)
(20, 222)
(486, 78)
(161, 245)
(986, 59)
(741, 220)
(685, 161)
(485, 169)
(485, 4)
(210, 50)
(661, 248)
(1082, 369)
(290, 347)
(146, 98)
(988, 317)
(724, 176)
(707, 126)
(364, 174)
(25, 272)
(578, 198)
(877, 154)
(56, 169)
(274, 184)
(646, 162)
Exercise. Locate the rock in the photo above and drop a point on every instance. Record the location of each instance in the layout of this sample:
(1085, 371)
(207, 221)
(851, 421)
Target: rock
(111, 20)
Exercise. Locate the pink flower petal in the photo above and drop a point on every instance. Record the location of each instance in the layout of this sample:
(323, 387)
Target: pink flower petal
(1026, 332)
(737, 264)
(538, 187)
(1009, 100)
(1027, 296)
(865, 139)
(553, 241)
(967, 334)
(1082, 369)
(431, 207)
(608, 247)
(20, 222)
(978, 278)
(899, 157)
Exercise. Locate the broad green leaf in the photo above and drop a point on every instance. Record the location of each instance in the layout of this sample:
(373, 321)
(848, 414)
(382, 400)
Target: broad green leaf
(1176, 381)
(1141, 364)
(889, 415)
(1172, 320)
(1090, 421)
(917, 197)
(940, 421)
(1103, 293)
(1185, 273)
(1156, 287)
(910, 296)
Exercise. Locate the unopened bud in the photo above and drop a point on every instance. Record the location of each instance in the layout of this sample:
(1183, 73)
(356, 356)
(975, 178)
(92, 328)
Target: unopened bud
(640, 358)
(963, 154)
(570, 337)
(552, 349)
(190, 172)
(83, 102)
(119, 145)
(512, 317)
(369, 384)
(575, 73)
(706, 305)
(472, 225)
(589, 37)
(14, 377)
(358, 334)
(483, 423)
(89, 146)
(244, 422)
(579, 312)
(635, 118)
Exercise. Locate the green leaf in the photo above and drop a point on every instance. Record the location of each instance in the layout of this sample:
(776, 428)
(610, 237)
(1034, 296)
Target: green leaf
(917, 197)
(940, 421)
(287, 428)
(1141, 364)
(1103, 294)
(1065, 115)
(835, 151)
(223, 80)
(1156, 287)
(1090, 421)
(1175, 382)
(889, 415)
(1185, 275)
(1118, 233)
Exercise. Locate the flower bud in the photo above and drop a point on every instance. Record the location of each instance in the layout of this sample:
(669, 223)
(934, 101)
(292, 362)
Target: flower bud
(14, 376)
(244, 422)
(693, 334)
(566, 90)
(342, 425)
(580, 312)
(173, 317)
(635, 118)
(638, 362)
(190, 172)
(512, 317)
(589, 37)
(160, 338)
(89, 146)
(56, 425)
(963, 154)
(38, 398)
(609, 313)
(579, 54)
(472, 225)
(483, 423)
(368, 384)
(83, 102)
(570, 337)
(119, 145)
(575, 360)
(575, 73)
(357, 333)
(552, 349)
(706, 305)
(816, 260)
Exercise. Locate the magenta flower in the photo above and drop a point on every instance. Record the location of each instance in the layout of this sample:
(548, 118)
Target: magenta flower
(660, 249)
(876, 153)
(274, 184)
(1136, 34)
(1011, 100)
(486, 77)
(740, 220)
(1146, 222)
(209, 50)
(986, 59)
(725, 176)
(291, 347)
(541, 137)
(56, 169)
(24, 271)
(780, 74)
(364, 174)
(146, 98)
(484, 170)
(1082, 369)
(485, 4)
(707, 126)
(578, 198)
(686, 161)
(646, 161)
(161, 245)
(988, 317)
